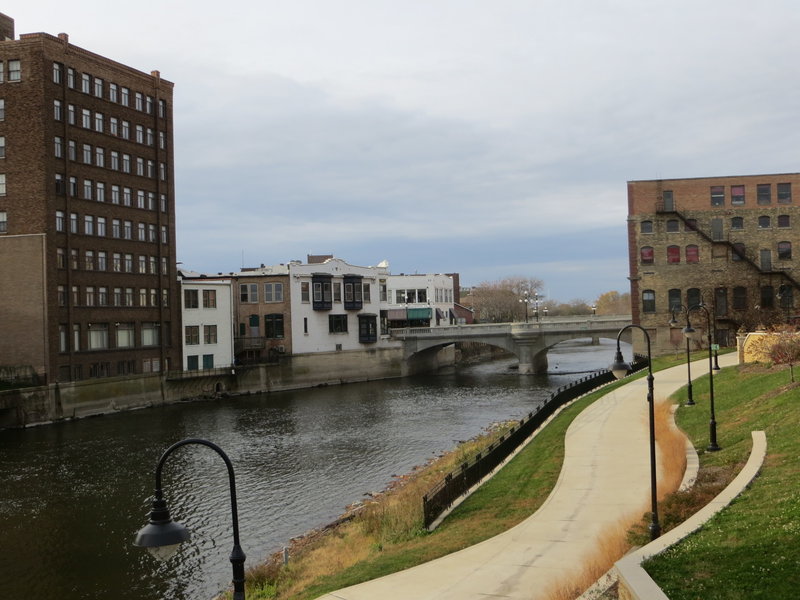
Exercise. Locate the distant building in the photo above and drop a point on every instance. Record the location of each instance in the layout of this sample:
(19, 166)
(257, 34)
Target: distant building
(420, 301)
(207, 323)
(87, 213)
(726, 242)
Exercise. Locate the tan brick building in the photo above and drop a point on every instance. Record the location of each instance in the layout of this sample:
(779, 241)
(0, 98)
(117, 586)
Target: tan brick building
(727, 242)
(87, 213)
(262, 314)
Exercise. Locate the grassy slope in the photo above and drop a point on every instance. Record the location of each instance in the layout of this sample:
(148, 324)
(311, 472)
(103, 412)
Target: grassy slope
(751, 549)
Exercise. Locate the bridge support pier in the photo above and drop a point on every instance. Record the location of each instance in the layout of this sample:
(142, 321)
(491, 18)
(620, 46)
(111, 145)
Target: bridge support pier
(532, 362)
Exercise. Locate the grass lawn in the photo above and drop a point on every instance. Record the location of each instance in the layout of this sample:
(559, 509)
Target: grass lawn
(752, 548)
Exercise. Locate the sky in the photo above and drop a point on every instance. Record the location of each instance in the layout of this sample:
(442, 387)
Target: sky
(489, 138)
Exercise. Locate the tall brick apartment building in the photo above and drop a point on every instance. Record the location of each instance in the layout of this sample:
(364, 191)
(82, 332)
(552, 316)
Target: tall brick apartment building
(729, 242)
(88, 286)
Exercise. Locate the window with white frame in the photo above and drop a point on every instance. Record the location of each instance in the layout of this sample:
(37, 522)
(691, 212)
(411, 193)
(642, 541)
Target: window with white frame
(3, 221)
(98, 336)
(57, 72)
(273, 292)
(14, 70)
(125, 331)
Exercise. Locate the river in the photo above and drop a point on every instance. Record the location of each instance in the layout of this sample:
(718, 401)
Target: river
(73, 494)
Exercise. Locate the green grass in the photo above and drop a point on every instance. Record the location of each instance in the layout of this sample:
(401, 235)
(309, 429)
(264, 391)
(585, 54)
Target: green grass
(751, 549)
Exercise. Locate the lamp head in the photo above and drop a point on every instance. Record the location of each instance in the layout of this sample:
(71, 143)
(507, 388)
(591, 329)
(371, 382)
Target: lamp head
(688, 332)
(673, 322)
(619, 367)
(161, 536)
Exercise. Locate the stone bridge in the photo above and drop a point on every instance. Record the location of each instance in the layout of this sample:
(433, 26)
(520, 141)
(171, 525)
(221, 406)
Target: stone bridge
(528, 341)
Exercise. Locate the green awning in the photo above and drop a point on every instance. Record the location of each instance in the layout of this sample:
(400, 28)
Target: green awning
(419, 313)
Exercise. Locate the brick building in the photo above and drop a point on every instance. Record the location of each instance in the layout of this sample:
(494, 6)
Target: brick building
(727, 242)
(87, 214)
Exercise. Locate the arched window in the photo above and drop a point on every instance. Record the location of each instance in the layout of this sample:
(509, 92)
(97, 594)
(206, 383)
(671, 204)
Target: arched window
(737, 223)
(646, 227)
(648, 301)
(785, 250)
(692, 254)
(673, 225)
(673, 254)
(783, 221)
(646, 255)
(674, 299)
(764, 222)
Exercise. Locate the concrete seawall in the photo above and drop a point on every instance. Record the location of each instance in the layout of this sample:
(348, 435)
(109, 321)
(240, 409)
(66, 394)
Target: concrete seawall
(72, 400)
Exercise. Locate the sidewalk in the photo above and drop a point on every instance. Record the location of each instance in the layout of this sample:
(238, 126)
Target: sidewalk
(605, 477)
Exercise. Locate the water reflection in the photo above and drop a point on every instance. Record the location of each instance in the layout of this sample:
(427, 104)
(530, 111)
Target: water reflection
(73, 494)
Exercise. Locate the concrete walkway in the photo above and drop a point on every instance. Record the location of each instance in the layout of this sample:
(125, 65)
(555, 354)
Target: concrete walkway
(605, 478)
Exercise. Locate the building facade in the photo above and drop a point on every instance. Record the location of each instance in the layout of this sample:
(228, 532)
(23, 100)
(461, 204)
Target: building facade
(207, 323)
(728, 243)
(87, 210)
(420, 301)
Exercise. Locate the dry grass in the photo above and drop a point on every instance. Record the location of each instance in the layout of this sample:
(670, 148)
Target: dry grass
(614, 542)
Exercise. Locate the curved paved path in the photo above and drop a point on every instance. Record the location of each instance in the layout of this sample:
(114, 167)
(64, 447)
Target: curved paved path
(605, 477)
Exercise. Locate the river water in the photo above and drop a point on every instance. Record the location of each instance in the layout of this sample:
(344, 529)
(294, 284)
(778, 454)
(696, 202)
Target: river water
(73, 494)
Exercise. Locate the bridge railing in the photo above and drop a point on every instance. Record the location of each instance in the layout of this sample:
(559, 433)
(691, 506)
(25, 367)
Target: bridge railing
(458, 482)
(587, 323)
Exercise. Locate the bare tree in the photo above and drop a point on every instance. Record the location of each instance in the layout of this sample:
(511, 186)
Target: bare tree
(499, 301)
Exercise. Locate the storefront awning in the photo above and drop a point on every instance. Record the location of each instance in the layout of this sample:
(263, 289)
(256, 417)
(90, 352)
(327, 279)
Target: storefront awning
(419, 313)
(396, 314)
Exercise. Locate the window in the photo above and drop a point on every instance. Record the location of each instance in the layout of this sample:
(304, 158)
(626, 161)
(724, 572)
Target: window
(337, 323)
(737, 195)
(648, 301)
(60, 220)
(150, 137)
(150, 336)
(784, 193)
(60, 184)
(128, 263)
(153, 265)
(785, 296)
(739, 298)
(98, 336)
(784, 250)
(116, 262)
(99, 157)
(113, 92)
(125, 332)
(86, 118)
(102, 262)
(100, 191)
(209, 298)
(139, 101)
(2, 184)
(125, 94)
(737, 223)
(668, 199)
(646, 227)
(366, 294)
(62, 337)
(140, 166)
(690, 225)
(126, 196)
(101, 226)
(673, 254)
(126, 130)
(674, 299)
(248, 293)
(645, 255)
(693, 297)
(162, 140)
(57, 72)
(767, 296)
(98, 87)
(3, 109)
(717, 195)
(209, 334)
(140, 202)
(73, 256)
(70, 78)
(692, 254)
(192, 363)
(73, 222)
(721, 301)
(273, 326)
(763, 194)
(86, 83)
(143, 265)
(102, 296)
(142, 297)
(89, 260)
(673, 225)
(140, 134)
(190, 299)
(162, 108)
(58, 147)
(783, 221)
(148, 105)
(273, 292)
(192, 335)
(57, 110)
(142, 229)
(14, 70)
(367, 329)
(304, 292)
(765, 256)
(764, 222)
(3, 221)
(71, 114)
(76, 337)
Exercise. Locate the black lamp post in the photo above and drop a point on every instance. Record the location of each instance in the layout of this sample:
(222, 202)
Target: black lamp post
(524, 300)
(674, 323)
(162, 536)
(620, 368)
(712, 426)
(594, 310)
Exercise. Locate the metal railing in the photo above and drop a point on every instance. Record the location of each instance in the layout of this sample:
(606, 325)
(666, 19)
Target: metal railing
(458, 482)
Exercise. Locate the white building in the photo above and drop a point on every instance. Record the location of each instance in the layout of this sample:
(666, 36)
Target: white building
(420, 300)
(336, 306)
(207, 321)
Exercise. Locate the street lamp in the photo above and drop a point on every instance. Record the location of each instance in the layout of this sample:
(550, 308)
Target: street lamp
(526, 300)
(162, 536)
(674, 323)
(620, 368)
(712, 426)
(594, 309)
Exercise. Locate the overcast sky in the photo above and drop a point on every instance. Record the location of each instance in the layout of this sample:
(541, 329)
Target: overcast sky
(492, 138)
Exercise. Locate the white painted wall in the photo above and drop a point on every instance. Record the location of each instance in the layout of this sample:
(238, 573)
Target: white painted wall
(221, 316)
